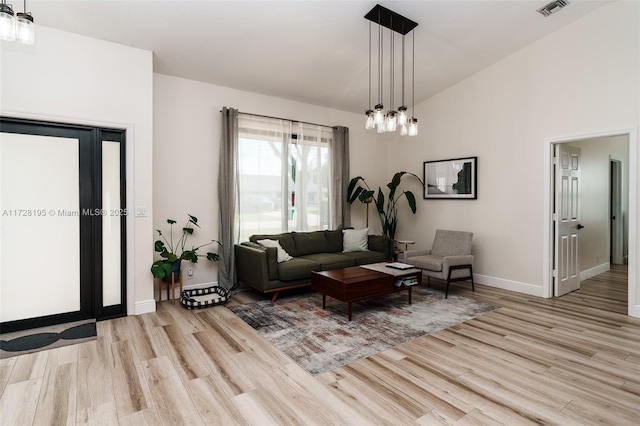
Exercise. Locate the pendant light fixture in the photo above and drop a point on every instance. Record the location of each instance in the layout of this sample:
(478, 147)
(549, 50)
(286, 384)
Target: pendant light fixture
(392, 120)
(369, 123)
(20, 27)
(413, 122)
(7, 22)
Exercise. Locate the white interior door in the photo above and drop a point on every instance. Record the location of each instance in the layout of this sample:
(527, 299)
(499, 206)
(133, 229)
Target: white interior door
(567, 219)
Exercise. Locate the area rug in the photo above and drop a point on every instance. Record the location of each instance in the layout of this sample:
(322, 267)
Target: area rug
(322, 340)
(38, 339)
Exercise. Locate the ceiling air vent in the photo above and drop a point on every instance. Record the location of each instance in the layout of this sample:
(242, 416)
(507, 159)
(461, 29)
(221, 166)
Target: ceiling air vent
(553, 7)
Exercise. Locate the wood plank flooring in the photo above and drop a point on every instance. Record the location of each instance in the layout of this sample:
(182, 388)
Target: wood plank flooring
(574, 360)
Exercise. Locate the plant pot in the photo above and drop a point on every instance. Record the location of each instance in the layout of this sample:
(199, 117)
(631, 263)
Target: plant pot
(175, 268)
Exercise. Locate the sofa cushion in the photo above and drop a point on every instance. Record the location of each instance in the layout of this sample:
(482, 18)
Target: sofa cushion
(334, 241)
(331, 260)
(429, 262)
(381, 244)
(297, 268)
(355, 240)
(366, 257)
(310, 242)
(285, 240)
(283, 256)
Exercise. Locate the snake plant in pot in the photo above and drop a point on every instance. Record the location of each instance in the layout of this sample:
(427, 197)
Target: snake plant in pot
(387, 207)
(174, 252)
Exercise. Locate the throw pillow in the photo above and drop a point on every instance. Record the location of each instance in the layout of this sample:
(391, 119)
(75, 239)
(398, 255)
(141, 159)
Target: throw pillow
(283, 256)
(355, 240)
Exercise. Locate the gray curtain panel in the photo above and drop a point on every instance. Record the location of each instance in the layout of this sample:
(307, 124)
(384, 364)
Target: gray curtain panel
(341, 212)
(228, 196)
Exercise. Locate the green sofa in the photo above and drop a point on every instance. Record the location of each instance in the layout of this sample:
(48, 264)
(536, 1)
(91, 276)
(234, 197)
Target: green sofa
(257, 266)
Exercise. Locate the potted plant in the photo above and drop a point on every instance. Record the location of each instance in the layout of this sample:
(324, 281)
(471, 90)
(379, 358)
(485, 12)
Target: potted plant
(386, 206)
(173, 253)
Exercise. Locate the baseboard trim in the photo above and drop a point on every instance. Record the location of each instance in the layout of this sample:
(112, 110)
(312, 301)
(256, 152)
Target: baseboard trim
(201, 285)
(519, 287)
(596, 270)
(145, 307)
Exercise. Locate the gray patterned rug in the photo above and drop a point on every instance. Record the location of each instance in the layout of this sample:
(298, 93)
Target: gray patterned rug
(322, 340)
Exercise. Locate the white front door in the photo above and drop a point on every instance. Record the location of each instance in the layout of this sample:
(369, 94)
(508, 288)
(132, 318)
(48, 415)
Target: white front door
(567, 219)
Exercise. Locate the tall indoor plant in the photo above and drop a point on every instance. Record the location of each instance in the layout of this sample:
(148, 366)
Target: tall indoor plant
(173, 253)
(387, 207)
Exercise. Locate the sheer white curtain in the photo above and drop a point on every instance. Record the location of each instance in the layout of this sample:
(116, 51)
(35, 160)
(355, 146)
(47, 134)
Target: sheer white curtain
(310, 157)
(284, 176)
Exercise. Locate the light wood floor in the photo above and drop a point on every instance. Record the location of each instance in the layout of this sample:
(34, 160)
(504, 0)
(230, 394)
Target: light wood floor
(572, 360)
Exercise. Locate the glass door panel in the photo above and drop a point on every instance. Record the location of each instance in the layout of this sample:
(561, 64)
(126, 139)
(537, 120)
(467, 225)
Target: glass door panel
(112, 214)
(39, 226)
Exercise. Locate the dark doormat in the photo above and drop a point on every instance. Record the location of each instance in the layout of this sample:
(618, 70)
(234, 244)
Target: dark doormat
(38, 339)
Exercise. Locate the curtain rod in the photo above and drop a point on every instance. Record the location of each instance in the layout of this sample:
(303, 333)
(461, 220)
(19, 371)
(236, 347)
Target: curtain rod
(285, 119)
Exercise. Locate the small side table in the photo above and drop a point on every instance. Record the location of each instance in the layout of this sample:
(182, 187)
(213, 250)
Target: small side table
(406, 243)
(170, 287)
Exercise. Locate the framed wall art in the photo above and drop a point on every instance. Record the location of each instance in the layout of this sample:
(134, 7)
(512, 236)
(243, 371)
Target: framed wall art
(451, 179)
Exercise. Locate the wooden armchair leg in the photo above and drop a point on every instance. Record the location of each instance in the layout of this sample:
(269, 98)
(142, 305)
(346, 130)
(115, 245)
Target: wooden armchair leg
(274, 297)
(453, 268)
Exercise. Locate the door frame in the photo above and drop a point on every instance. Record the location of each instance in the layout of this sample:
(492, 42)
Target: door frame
(133, 307)
(549, 192)
(90, 165)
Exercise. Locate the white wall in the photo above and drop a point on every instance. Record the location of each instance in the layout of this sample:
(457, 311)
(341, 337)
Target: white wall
(582, 79)
(594, 199)
(187, 132)
(69, 78)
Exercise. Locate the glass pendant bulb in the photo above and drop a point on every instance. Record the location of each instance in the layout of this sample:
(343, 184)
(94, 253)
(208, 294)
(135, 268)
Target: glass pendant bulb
(402, 115)
(413, 126)
(382, 127)
(392, 121)
(369, 123)
(378, 115)
(7, 23)
(403, 129)
(25, 28)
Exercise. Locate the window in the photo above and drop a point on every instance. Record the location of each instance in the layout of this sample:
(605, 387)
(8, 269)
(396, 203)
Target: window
(284, 176)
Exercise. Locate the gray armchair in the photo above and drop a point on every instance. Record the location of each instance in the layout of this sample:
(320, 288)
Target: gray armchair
(449, 259)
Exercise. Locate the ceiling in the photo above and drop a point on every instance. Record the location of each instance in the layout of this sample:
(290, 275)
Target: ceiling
(309, 51)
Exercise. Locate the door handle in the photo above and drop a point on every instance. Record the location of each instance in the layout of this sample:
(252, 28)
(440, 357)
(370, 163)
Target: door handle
(579, 226)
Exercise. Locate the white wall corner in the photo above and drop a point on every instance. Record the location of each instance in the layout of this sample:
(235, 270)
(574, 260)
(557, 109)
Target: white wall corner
(525, 288)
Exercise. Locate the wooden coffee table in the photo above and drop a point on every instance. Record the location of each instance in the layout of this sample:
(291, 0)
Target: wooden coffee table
(358, 283)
